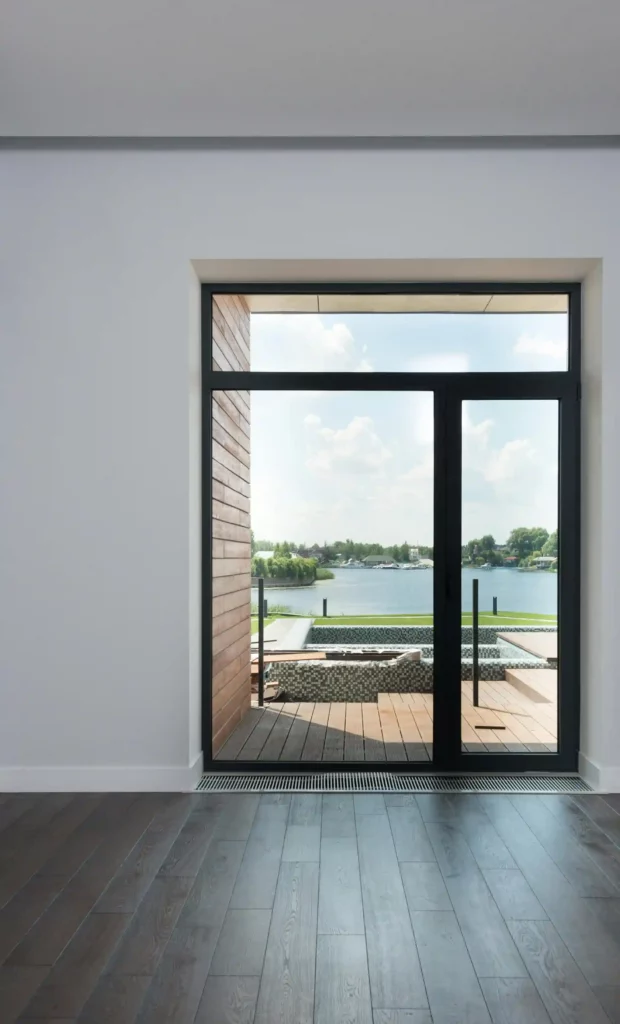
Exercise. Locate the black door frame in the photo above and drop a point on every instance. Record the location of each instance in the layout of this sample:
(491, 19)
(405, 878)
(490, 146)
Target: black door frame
(450, 390)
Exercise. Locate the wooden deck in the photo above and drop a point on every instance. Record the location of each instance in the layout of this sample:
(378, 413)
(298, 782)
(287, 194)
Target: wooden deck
(399, 727)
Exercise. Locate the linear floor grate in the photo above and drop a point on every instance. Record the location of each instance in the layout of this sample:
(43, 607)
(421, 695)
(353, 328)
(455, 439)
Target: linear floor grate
(386, 782)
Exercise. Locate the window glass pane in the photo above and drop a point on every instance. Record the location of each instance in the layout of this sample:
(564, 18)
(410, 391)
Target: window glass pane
(327, 497)
(409, 342)
(509, 689)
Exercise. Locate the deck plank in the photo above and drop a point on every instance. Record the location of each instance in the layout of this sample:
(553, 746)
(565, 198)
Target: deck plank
(333, 749)
(274, 745)
(296, 738)
(374, 749)
(315, 740)
(260, 734)
(354, 733)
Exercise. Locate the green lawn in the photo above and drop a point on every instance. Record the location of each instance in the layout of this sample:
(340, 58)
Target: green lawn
(485, 619)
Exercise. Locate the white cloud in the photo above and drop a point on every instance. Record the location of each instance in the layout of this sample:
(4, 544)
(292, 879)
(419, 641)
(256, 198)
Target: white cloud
(542, 346)
(311, 420)
(302, 341)
(356, 448)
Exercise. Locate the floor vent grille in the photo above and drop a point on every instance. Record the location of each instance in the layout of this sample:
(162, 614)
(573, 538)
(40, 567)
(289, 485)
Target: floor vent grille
(385, 782)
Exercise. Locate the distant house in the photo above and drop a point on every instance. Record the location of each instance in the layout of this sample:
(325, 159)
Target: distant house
(414, 555)
(511, 560)
(544, 561)
(378, 560)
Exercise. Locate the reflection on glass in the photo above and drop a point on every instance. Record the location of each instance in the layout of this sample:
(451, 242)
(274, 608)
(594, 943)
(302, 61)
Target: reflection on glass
(510, 552)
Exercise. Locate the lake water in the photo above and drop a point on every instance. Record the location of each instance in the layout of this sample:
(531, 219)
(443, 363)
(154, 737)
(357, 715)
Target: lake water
(392, 592)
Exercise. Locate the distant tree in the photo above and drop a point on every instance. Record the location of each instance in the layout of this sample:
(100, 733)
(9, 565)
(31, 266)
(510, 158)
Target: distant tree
(481, 551)
(550, 547)
(525, 540)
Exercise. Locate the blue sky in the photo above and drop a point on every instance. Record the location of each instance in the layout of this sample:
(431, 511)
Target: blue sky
(330, 465)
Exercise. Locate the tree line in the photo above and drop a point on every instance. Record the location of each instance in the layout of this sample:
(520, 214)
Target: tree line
(340, 550)
(524, 545)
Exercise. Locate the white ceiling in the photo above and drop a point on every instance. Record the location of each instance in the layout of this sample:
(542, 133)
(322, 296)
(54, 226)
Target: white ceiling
(309, 67)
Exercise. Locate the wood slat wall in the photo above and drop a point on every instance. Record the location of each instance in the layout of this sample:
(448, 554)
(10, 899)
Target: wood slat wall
(231, 522)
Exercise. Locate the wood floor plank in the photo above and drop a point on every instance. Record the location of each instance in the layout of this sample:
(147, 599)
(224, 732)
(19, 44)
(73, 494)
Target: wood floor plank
(354, 733)
(581, 831)
(409, 834)
(296, 738)
(340, 894)
(20, 913)
(117, 998)
(342, 985)
(17, 987)
(402, 1017)
(228, 1001)
(338, 820)
(210, 894)
(302, 842)
(258, 875)
(453, 989)
(286, 992)
(561, 985)
(369, 803)
(126, 890)
(48, 937)
(333, 749)
(315, 738)
(188, 851)
(142, 945)
(32, 847)
(374, 749)
(237, 817)
(74, 977)
(394, 967)
(278, 736)
(579, 868)
(488, 849)
(241, 946)
(514, 1001)
(305, 809)
(88, 836)
(514, 897)
(15, 806)
(488, 940)
(424, 887)
(596, 952)
(602, 814)
(176, 990)
(609, 998)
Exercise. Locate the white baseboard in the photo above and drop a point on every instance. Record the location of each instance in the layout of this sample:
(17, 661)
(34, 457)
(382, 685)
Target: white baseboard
(602, 779)
(101, 779)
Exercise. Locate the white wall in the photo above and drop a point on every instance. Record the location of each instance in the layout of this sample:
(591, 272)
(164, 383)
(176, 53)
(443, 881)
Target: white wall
(98, 485)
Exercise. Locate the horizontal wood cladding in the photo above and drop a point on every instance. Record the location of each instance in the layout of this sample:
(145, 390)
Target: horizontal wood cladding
(231, 542)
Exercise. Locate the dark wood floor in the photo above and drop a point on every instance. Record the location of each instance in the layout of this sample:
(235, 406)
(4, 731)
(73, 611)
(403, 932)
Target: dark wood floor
(234, 909)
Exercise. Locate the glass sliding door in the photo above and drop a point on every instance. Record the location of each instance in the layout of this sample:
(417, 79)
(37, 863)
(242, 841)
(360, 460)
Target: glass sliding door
(510, 576)
(391, 527)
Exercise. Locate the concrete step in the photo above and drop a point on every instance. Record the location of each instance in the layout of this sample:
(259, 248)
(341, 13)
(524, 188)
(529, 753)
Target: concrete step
(539, 684)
